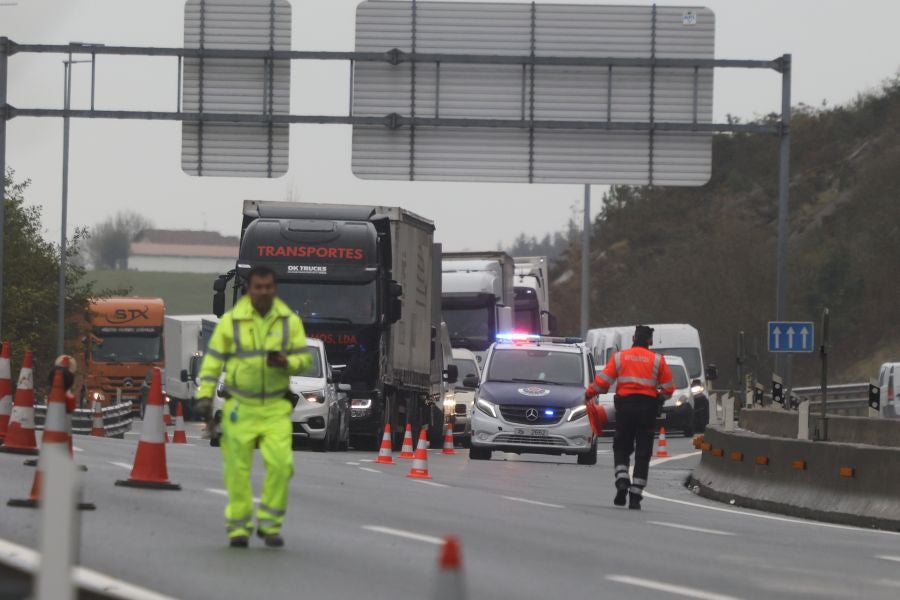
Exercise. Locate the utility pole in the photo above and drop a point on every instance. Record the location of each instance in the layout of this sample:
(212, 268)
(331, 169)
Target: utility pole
(586, 262)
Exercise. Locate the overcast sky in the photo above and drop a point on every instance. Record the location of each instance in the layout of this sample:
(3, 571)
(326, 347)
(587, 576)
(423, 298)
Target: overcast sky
(840, 48)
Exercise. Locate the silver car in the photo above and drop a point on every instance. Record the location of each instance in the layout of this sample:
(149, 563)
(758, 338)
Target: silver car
(531, 400)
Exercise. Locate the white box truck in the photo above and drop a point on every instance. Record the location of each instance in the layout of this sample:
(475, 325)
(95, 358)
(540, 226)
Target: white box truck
(182, 343)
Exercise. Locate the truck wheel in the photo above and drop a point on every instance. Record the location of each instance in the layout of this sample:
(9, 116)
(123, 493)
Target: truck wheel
(589, 458)
(476, 453)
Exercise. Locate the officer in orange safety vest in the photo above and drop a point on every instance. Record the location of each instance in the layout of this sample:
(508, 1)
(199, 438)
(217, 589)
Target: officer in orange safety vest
(643, 382)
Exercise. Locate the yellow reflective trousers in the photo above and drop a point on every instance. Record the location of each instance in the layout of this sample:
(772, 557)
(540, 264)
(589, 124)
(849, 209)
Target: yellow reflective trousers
(243, 426)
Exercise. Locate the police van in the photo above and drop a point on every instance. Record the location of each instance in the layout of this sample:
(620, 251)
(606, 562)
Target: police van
(530, 399)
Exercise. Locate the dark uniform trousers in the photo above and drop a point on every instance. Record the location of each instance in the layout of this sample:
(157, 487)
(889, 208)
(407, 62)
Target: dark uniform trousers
(635, 422)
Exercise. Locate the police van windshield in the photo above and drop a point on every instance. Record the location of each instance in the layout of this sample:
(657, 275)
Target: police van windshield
(537, 366)
(350, 303)
(690, 356)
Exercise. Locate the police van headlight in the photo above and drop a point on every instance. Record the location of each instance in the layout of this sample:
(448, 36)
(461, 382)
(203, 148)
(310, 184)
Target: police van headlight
(579, 412)
(486, 407)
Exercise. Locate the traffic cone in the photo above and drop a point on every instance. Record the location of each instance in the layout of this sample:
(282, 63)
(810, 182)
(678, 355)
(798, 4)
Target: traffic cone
(20, 434)
(661, 451)
(419, 468)
(179, 437)
(55, 439)
(599, 416)
(167, 420)
(384, 453)
(450, 583)
(149, 469)
(407, 450)
(5, 391)
(97, 428)
(448, 440)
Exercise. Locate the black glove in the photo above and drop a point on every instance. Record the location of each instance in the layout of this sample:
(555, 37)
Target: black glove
(660, 400)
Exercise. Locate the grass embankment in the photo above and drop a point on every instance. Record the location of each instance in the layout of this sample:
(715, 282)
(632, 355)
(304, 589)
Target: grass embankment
(184, 293)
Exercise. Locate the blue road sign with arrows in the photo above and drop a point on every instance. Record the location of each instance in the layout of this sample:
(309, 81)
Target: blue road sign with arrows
(791, 336)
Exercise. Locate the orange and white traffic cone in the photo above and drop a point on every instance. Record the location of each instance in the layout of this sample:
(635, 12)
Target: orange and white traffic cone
(448, 440)
(5, 391)
(149, 469)
(661, 450)
(450, 583)
(97, 427)
(167, 420)
(20, 438)
(419, 468)
(179, 437)
(407, 450)
(54, 440)
(384, 453)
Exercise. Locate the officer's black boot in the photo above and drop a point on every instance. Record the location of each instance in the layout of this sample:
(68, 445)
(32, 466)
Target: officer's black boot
(272, 540)
(621, 492)
(634, 500)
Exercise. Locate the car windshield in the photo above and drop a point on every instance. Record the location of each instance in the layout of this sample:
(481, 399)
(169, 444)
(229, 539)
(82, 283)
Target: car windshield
(331, 302)
(315, 367)
(132, 347)
(466, 367)
(468, 327)
(536, 365)
(679, 376)
(690, 356)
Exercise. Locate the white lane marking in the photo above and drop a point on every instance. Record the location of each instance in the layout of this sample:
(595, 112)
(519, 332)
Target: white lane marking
(77, 449)
(535, 502)
(366, 460)
(659, 461)
(220, 492)
(28, 560)
(888, 582)
(891, 558)
(120, 464)
(409, 535)
(353, 464)
(369, 470)
(690, 528)
(660, 586)
(603, 451)
(771, 517)
(431, 483)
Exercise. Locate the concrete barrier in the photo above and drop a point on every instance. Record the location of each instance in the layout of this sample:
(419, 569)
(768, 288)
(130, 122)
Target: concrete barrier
(842, 483)
(847, 430)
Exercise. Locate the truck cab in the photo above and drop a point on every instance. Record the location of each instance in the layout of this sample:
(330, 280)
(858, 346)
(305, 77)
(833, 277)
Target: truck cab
(532, 296)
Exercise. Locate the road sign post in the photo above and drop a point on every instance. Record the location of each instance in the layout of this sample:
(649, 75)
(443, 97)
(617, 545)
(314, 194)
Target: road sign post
(822, 429)
(874, 399)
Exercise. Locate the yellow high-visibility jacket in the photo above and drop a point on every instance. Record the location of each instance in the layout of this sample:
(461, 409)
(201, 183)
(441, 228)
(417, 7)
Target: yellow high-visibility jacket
(241, 344)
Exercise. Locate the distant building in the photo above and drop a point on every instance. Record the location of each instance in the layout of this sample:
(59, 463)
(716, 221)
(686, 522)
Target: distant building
(183, 251)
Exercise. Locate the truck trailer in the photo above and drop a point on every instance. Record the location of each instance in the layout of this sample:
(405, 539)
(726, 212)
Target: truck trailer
(532, 296)
(359, 278)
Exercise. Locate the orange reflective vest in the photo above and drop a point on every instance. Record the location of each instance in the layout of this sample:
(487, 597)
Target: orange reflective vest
(637, 371)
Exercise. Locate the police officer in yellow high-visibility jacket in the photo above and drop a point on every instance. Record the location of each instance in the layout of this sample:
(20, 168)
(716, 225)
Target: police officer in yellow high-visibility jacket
(260, 343)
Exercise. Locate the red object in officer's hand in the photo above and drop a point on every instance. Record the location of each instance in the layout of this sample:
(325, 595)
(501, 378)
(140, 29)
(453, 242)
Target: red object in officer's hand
(597, 417)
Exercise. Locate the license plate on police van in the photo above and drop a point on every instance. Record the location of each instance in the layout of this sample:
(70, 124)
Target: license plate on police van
(534, 432)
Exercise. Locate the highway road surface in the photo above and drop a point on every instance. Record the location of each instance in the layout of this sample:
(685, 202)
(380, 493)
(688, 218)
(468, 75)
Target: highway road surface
(530, 527)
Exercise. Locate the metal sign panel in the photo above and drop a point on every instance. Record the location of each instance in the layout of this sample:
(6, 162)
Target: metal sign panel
(791, 336)
(585, 96)
(228, 85)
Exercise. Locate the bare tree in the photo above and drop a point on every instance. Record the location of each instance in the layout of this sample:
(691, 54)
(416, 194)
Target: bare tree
(110, 241)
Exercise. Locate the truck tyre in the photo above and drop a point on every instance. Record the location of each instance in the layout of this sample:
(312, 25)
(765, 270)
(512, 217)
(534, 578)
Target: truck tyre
(476, 453)
(589, 458)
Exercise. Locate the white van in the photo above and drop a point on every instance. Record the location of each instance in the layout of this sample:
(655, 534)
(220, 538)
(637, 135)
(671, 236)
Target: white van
(675, 339)
(889, 382)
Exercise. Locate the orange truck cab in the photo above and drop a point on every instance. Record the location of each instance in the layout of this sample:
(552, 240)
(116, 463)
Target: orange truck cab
(124, 342)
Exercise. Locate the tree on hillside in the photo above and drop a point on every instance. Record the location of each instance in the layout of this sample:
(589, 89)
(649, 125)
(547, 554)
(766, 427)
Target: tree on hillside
(110, 241)
(30, 286)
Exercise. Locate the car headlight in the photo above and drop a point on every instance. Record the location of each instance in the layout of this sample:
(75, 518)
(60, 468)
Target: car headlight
(98, 396)
(486, 407)
(579, 412)
(361, 403)
(314, 396)
(681, 400)
(697, 389)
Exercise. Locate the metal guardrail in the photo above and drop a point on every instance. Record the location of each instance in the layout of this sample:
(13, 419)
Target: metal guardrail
(849, 399)
(117, 419)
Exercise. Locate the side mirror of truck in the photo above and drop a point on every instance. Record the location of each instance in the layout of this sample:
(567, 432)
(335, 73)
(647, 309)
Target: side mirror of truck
(470, 381)
(395, 310)
(185, 377)
(220, 283)
(504, 318)
(451, 374)
(431, 346)
(712, 372)
(194, 368)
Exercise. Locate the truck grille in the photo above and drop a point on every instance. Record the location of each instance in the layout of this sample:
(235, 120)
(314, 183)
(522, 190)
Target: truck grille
(529, 440)
(516, 414)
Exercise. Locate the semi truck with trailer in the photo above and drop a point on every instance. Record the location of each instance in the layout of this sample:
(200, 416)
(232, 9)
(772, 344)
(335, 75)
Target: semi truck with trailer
(359, 277)
(532, 296)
